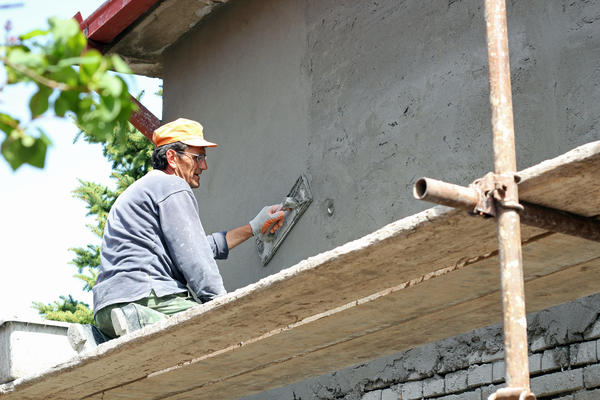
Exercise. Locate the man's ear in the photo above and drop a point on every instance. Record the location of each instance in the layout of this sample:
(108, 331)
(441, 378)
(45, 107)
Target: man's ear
(171, 156)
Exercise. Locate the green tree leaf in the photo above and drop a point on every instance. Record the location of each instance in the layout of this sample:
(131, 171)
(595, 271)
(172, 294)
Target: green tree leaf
(69, 41)
(8, 123)
(89, 66)
(65, 102)
(111, 86)
(37, 157)
(21, 148)
(66, 75)
(26, 59)
(38, 104)
(109, 108)
(119, 65)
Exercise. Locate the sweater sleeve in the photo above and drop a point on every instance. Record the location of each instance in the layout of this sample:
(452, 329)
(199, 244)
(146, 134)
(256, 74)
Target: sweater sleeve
(218, 244)
(189, 246)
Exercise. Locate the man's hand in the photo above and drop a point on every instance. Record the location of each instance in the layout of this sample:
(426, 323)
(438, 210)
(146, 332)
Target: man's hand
(269, 219)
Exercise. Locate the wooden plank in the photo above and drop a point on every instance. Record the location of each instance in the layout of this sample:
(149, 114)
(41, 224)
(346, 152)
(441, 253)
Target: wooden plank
(359, 301)
(580, 168)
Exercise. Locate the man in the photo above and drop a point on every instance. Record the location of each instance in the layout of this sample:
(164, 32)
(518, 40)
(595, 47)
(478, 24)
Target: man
(156, 259)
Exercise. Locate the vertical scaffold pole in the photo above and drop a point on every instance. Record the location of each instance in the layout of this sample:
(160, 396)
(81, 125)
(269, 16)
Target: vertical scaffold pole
(509, 231)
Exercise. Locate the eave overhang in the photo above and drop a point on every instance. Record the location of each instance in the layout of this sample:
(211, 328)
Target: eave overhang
(141, 30)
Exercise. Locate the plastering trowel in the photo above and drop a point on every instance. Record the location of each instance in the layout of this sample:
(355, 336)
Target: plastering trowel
(295, 203)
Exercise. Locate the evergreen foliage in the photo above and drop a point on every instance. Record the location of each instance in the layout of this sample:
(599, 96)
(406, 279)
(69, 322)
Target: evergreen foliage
(130, 161)
(66, 309)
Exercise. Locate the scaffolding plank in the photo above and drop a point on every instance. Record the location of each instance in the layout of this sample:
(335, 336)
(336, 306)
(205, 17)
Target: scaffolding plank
(544, 183)
(425, 277)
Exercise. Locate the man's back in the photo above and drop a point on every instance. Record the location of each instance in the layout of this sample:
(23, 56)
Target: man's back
(152, 241)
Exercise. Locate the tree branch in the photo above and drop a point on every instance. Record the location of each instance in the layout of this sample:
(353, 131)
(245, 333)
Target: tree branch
(52, 84)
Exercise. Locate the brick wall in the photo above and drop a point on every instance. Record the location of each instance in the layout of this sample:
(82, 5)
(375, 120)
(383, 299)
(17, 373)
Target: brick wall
(563, 362)
(564, 345)
(553, 376)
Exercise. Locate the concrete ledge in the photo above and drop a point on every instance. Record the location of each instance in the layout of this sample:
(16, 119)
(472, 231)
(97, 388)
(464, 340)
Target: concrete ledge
(27, 347)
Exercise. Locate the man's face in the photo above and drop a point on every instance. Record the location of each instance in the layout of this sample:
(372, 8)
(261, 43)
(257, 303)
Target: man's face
(188, 167)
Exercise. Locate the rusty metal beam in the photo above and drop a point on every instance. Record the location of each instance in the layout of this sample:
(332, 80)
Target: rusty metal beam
(446, 194)
(509, 227)
(468, 198)
(560, 221)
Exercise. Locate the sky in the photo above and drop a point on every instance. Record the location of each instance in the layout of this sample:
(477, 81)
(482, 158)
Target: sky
(39, 218)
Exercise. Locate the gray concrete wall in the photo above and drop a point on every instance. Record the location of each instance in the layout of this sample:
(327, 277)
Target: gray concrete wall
(243, 75)
(364, 97)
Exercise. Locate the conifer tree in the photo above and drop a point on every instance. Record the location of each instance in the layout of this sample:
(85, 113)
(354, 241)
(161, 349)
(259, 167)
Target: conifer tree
(130, 161)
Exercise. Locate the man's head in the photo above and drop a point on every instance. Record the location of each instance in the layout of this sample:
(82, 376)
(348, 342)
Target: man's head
(181, 150)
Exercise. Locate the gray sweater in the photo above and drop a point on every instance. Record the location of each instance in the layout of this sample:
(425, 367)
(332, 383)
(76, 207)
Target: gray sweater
(154, 240)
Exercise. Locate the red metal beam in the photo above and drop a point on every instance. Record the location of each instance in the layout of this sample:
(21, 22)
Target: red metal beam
(143, 119)
(113, 17)
(77, 17)
(91, 44)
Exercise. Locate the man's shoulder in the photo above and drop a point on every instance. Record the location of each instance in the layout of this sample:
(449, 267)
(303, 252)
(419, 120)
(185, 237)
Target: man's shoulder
(159, 185)
(157, 175)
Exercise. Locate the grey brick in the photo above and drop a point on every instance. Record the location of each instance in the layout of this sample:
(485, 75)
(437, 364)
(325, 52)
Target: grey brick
(485, 357)
(479, 375)
(374, 395)
(389, 394)
(558, 382)
(593, 332)
(567, 397)
(433, 387)
(474, 395)
(538, 344)
(498, 368)
(556, 358)
(535, 363)
(456, 381)
(486, 391)
(583, 353)
(587, 395)
(498, 371)
(412, 390)
(591, 376)
(548, 361)
(474, 358)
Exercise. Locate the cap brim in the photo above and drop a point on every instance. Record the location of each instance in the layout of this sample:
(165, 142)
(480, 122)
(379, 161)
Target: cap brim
(199, 143)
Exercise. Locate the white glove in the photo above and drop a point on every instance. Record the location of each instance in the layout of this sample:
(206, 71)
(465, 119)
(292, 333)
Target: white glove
(269, 219)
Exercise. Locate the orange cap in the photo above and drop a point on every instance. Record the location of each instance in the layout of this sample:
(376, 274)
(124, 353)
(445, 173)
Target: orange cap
(181, 130)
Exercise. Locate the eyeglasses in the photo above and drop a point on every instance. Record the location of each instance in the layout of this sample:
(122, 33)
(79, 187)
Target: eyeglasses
(197, 157)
